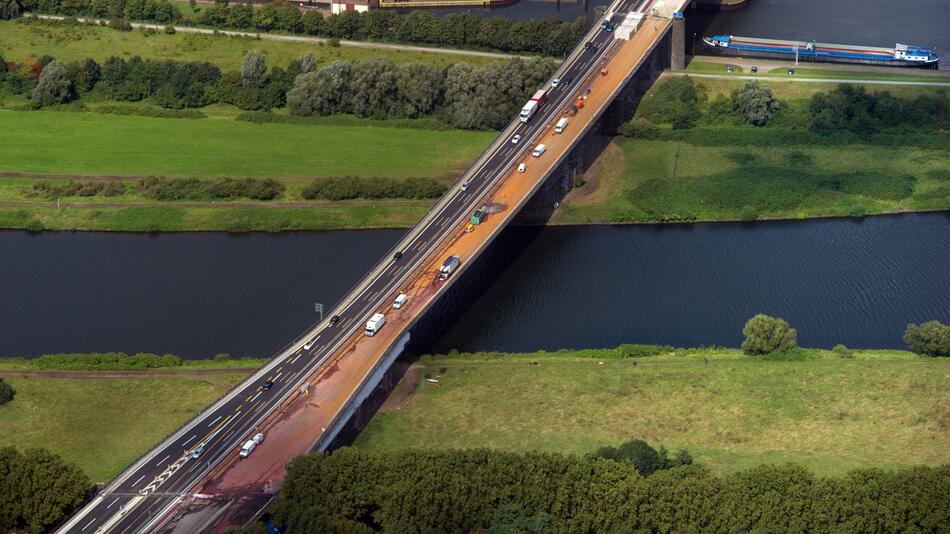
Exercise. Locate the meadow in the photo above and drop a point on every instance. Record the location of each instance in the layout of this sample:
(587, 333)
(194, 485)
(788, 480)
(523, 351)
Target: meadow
(881, 409)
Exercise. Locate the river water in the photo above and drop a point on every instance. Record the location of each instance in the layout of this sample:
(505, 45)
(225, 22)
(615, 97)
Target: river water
(859, 22)
(199, 294)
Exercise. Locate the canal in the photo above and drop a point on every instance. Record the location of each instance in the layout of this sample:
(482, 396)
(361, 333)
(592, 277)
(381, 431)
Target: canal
(857, 282)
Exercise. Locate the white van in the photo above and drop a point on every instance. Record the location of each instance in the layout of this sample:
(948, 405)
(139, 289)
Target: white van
(248, 448)
(522, 167)
(538, 150)
(561, 124)
(400, 301)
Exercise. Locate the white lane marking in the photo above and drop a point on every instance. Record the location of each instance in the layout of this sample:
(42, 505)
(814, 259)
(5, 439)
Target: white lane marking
(137, 481)
(91, 521)
(278, 376)
(160, 462)
(229, 435)
(256, 396)
(317, 338)
(216, 419)
(294, 360)
(187, 441)
(293, 376)
(113, 502)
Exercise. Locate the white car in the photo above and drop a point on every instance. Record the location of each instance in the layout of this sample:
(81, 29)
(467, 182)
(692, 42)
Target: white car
(516, 139)
(258, 438)
(554, 82)
(464, 186)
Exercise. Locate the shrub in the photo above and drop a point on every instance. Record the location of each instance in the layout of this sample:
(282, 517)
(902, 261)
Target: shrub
(115, 361)
(169, 30)
(9, 9)
(639, 128)
(33, 225)
(632, 350)
(161, 188)
(931, 338)
(121, 25)
(748, 213)
(54, 86)
(350, 187)
(755, 103)
(843, 352)
(765, 334)
(6, 392)
(676, 101)
(643, 457)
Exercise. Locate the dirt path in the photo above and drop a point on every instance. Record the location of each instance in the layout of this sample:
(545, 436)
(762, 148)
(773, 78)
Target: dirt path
(203, 375)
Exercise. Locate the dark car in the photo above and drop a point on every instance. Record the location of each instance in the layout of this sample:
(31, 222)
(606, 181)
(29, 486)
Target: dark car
(334, 320)
(267, 385)
(755, 69)
(397, 255)
(590, 46)
(566, 80)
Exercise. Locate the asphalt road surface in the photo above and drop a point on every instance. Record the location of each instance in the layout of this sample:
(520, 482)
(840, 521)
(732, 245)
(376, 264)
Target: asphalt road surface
(146, 489)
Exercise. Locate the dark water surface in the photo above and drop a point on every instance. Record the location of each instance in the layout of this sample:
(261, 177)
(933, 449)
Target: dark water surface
(837, 281)
(860, 22)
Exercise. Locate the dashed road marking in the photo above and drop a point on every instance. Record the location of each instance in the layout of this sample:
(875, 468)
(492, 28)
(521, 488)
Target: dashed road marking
(216, 419)
(160, 462)
(91, 521)
(255, 396)
(113, 502)
(137, 481)
(193, 437)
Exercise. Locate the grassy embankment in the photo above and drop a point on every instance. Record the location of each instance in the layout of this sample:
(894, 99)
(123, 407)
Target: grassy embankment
(20, 41)
(881, 409)
(98, 423)
(639, 180)
(636, 180)
(833, 71)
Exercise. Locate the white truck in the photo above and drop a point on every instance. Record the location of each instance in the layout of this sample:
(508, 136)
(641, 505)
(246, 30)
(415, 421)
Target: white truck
(448, 267)
(374, 324)
(533, 105)
(561, 124)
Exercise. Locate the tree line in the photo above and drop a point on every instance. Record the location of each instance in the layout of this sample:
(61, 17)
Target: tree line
(466, 490)
(459, 95)
(683, 103)
(550, 37)
(351, 187)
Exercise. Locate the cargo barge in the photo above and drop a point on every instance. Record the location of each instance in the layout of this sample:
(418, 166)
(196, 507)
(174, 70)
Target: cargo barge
(899, 56)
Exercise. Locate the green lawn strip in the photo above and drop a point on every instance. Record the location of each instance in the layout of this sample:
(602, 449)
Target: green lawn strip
(95, 144)
(103, 425)
(26, 364)
(231, 219)
(898, 75)
(881, 409)
(666, 180)
(20, 41)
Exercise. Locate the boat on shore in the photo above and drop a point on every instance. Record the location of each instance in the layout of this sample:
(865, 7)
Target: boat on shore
(900, 56)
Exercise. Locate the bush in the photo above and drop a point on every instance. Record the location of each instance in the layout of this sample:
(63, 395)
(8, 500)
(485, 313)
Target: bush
(166, 189)
(350, 187)
(675, 101)
(843, 352)
(6, 392)
(113, 361)
(643, 457)
(121, 25)
(748, 213)
(632, 350)
(54, 86)
(34, 225)
(169, 30)
(765, 334)
(9, 9)
(639, 128)
(755, 103)
(931, 338)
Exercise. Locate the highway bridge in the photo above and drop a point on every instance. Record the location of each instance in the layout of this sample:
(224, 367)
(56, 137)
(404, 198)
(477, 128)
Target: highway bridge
(306, 396)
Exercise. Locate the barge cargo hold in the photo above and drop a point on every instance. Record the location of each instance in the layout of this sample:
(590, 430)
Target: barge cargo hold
(899, 56)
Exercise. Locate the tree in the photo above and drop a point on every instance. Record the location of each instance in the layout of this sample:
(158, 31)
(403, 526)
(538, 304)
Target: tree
(514, 520)
(308, 63)
(254, 70)
(9, 9)
(765, 334)
(324, 92)
(37, 489)
(54, 86)
(88, 75)
(931, 338)
(639, 128)
(6, 392)
(843, 352)
(643, 457)
(755, 103)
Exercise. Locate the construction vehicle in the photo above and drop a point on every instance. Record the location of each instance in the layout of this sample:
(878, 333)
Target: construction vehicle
(480, 215)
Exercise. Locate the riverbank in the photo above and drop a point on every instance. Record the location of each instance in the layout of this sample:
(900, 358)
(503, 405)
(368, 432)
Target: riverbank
(729, 410)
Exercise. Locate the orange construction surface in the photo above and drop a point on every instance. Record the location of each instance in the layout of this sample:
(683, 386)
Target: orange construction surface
(298, 425)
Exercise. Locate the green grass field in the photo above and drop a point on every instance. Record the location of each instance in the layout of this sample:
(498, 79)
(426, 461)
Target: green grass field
(848, 72)
(22, 40)
(95, 144)
(667, 180)
(882, 409)
(103, 425)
